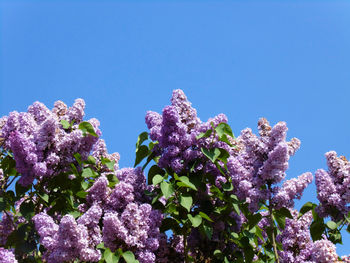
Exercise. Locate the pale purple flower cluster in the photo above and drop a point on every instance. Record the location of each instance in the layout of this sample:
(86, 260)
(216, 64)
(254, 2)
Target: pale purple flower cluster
(7, 256)
(6, 227)
(291, 189)
(295, 238)
(118, 216)
(129, 222)
(333, 187)
(39, 143)
(298, 246)
(263, 161)
(70, 239)
(176, 131)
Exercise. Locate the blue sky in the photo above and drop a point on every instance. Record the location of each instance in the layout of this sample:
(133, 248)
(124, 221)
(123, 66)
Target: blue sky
(287, 60)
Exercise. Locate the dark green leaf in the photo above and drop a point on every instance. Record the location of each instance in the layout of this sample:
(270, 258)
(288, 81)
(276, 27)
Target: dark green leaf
(205, 216)
(186, 181)
(254, 220)
(90, 160)
(20, 190)
(142, 137)
(204, 134)
(316, 229)
(81, 194)
(27, 209)
(224, 128)
(141, 153)
(211, 154)
(306, 208)
(77, 157)
(2, 204)
(208, 230)
(284, 212)
(87, 128)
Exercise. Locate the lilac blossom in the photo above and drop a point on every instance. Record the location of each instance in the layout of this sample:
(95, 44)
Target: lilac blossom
(40, 145)
(333, 189)
(7, 256)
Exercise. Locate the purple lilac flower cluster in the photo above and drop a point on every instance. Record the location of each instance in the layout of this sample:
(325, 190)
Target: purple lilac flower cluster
(263, 161)
(40, 145)
(120, 217)
(176, 131)
(333, 189)
(70, 239)
(298, 246)
(7, 256)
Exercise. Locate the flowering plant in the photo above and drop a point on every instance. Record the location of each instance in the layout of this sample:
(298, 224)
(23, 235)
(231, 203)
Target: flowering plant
(209, 196)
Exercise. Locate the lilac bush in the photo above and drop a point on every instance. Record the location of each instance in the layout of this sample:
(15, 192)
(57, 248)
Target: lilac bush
(209, 196)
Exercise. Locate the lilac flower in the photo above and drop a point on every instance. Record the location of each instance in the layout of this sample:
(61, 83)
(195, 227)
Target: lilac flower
(6, 227)
(40, 145)
(291, 189)
(333, 189)
(7, 256)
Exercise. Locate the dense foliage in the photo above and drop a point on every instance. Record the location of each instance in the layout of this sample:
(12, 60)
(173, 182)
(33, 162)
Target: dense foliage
(209, 196)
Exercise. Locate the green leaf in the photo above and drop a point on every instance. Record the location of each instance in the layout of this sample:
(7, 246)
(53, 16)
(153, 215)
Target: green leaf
(129, 257)
(88, 172)
(167, 189)
(90, 160)
(211, 154)
(87, 128)
(284, 212)
(205, 216)
(157, 179)
(153, 171)
(316, 230)
(81, 194)
(186, 181)
(253, 220)
(208, 230)
(109, 163)
(186, 201)
(224, 128)
(20, 190)
(2, 204)
(306, 208)
(204, 134)
(77, 157)
(75, 214)
(169, 223)
(195, 220)
(44, 197)
(281, 220)
(110, 257)
(227, 186)
(27, 209)
(65, 124)
(331, 225)
(141, 153)
(142, 137)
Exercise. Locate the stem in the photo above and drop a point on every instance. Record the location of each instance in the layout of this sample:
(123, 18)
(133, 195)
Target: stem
(185, 247)
(273, 228)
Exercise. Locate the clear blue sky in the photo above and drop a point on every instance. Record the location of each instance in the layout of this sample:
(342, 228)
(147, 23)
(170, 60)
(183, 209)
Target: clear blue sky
(287, 60)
